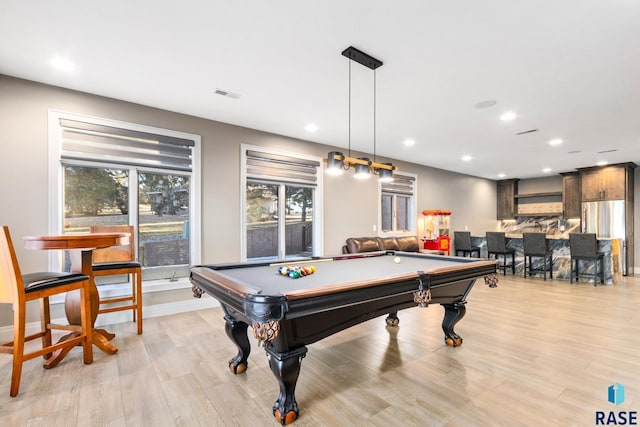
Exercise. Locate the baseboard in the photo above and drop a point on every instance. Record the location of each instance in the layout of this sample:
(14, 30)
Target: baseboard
(157, 310)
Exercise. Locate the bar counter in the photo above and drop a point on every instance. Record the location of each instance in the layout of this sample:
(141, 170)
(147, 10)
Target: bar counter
(559, 244)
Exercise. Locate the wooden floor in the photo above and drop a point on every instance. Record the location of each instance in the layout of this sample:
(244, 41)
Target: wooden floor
(535, 353)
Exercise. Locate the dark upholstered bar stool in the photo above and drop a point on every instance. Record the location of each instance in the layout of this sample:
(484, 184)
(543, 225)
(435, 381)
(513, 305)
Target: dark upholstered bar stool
(584, 247)
(462, 241)
(535, 245)
(497, 246)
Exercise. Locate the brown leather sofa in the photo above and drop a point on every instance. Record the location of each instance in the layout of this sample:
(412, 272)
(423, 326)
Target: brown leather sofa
(372, 244)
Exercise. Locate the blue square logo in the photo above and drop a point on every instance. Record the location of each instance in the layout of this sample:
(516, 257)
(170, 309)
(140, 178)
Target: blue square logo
(616, 394)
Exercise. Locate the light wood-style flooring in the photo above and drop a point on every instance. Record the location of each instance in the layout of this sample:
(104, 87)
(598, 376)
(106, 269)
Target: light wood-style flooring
(535, 353)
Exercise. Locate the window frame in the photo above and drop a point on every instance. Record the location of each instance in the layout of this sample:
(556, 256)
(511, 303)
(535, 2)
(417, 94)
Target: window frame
(411, 210)
(318, 242)
(56, 179)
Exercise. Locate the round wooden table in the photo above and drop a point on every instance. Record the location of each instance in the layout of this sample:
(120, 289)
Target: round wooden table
(82, 245)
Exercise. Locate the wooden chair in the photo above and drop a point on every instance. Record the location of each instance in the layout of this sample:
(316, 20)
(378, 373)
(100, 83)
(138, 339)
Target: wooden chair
(19, 289)
(118, 260)
(536, 245)
(462, 240)
(584, 247)
(497, 246)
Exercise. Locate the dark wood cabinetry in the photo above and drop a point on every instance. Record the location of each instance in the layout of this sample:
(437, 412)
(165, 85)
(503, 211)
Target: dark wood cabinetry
(604, 183)
(507, 190)
(613, 182)
(571, 197)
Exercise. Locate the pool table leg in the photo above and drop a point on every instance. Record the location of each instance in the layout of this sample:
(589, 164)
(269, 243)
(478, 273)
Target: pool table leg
(392, 319)
(452, 315)
(237, 332)
(286, 368)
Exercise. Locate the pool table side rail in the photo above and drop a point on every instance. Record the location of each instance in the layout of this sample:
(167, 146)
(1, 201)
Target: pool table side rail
(236, 291)
(431, 277)
(203, 276)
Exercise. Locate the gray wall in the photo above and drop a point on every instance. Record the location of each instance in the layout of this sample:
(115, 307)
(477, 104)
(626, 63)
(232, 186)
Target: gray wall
(350, 206)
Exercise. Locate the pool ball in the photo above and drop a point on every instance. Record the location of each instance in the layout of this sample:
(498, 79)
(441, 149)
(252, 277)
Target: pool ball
(397, 260)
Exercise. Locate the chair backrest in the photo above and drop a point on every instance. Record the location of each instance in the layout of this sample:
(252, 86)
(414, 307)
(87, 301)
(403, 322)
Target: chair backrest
(534, 243)
(462, 240)
(115, 253)
(583, 244)
(496, 241)
(10, 276)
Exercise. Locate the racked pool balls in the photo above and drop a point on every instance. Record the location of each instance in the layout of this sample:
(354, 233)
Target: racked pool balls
(297, 271)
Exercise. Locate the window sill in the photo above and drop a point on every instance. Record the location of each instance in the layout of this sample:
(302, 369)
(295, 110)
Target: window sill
(120, 289)
(397, 234)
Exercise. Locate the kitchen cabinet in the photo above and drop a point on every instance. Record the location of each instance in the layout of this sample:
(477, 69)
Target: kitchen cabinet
(506, 192)
(613, 182)
(604, 183)
(571, 196)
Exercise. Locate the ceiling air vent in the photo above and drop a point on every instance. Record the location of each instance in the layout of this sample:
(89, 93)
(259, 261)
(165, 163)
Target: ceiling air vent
(524, 132)
(226, 93)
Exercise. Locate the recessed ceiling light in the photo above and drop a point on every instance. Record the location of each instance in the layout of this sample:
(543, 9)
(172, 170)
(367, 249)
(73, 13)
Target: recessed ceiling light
(602, 163)
(546, 170)
(508, 116)
(311, 127)
(556, 141)
(502, 175)
(62, 64)
(466, 158)
(409, 142)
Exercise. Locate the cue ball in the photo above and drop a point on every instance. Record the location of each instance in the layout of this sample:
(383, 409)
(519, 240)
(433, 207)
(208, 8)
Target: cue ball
(397, 260)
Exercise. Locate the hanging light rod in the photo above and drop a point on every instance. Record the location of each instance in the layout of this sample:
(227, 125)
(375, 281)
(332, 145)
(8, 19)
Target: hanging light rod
(339, 158)
(362, 58)
(337, 162)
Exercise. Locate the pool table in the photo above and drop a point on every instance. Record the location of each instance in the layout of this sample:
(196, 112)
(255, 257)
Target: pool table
(287, 314)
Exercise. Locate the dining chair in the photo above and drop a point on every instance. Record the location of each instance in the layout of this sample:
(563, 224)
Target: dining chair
(119, 260)
(497, 246)
(462, 241)
(536, 245)
(584, 247)
(19, 289)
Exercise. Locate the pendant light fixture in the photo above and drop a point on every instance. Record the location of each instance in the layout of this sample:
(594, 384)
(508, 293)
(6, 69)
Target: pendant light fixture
(337, 162)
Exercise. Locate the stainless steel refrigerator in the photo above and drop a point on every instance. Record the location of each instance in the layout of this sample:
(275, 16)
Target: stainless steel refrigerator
(607, 219)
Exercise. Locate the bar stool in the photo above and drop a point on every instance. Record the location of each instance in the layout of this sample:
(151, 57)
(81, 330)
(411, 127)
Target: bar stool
(584, 247)
(497, 246)
(535, 245)
(462, 241)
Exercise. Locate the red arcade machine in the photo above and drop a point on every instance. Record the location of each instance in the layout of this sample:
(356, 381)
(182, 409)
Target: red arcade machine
(436, 230)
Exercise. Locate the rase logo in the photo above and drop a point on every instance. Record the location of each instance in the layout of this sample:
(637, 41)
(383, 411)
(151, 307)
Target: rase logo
(615, 395)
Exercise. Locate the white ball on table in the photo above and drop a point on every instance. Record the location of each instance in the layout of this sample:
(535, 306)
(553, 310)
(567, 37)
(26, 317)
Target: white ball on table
(397, 260)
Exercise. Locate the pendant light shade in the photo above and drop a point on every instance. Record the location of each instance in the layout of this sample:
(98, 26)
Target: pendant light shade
(362, 169)
(335, 163)
(385, 175)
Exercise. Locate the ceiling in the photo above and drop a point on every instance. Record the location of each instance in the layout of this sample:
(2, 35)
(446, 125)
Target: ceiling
(568, 68)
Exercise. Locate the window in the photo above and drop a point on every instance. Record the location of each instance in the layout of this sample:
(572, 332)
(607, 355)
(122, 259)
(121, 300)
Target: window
(107, 173)
(397, 205)
(281, 205)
